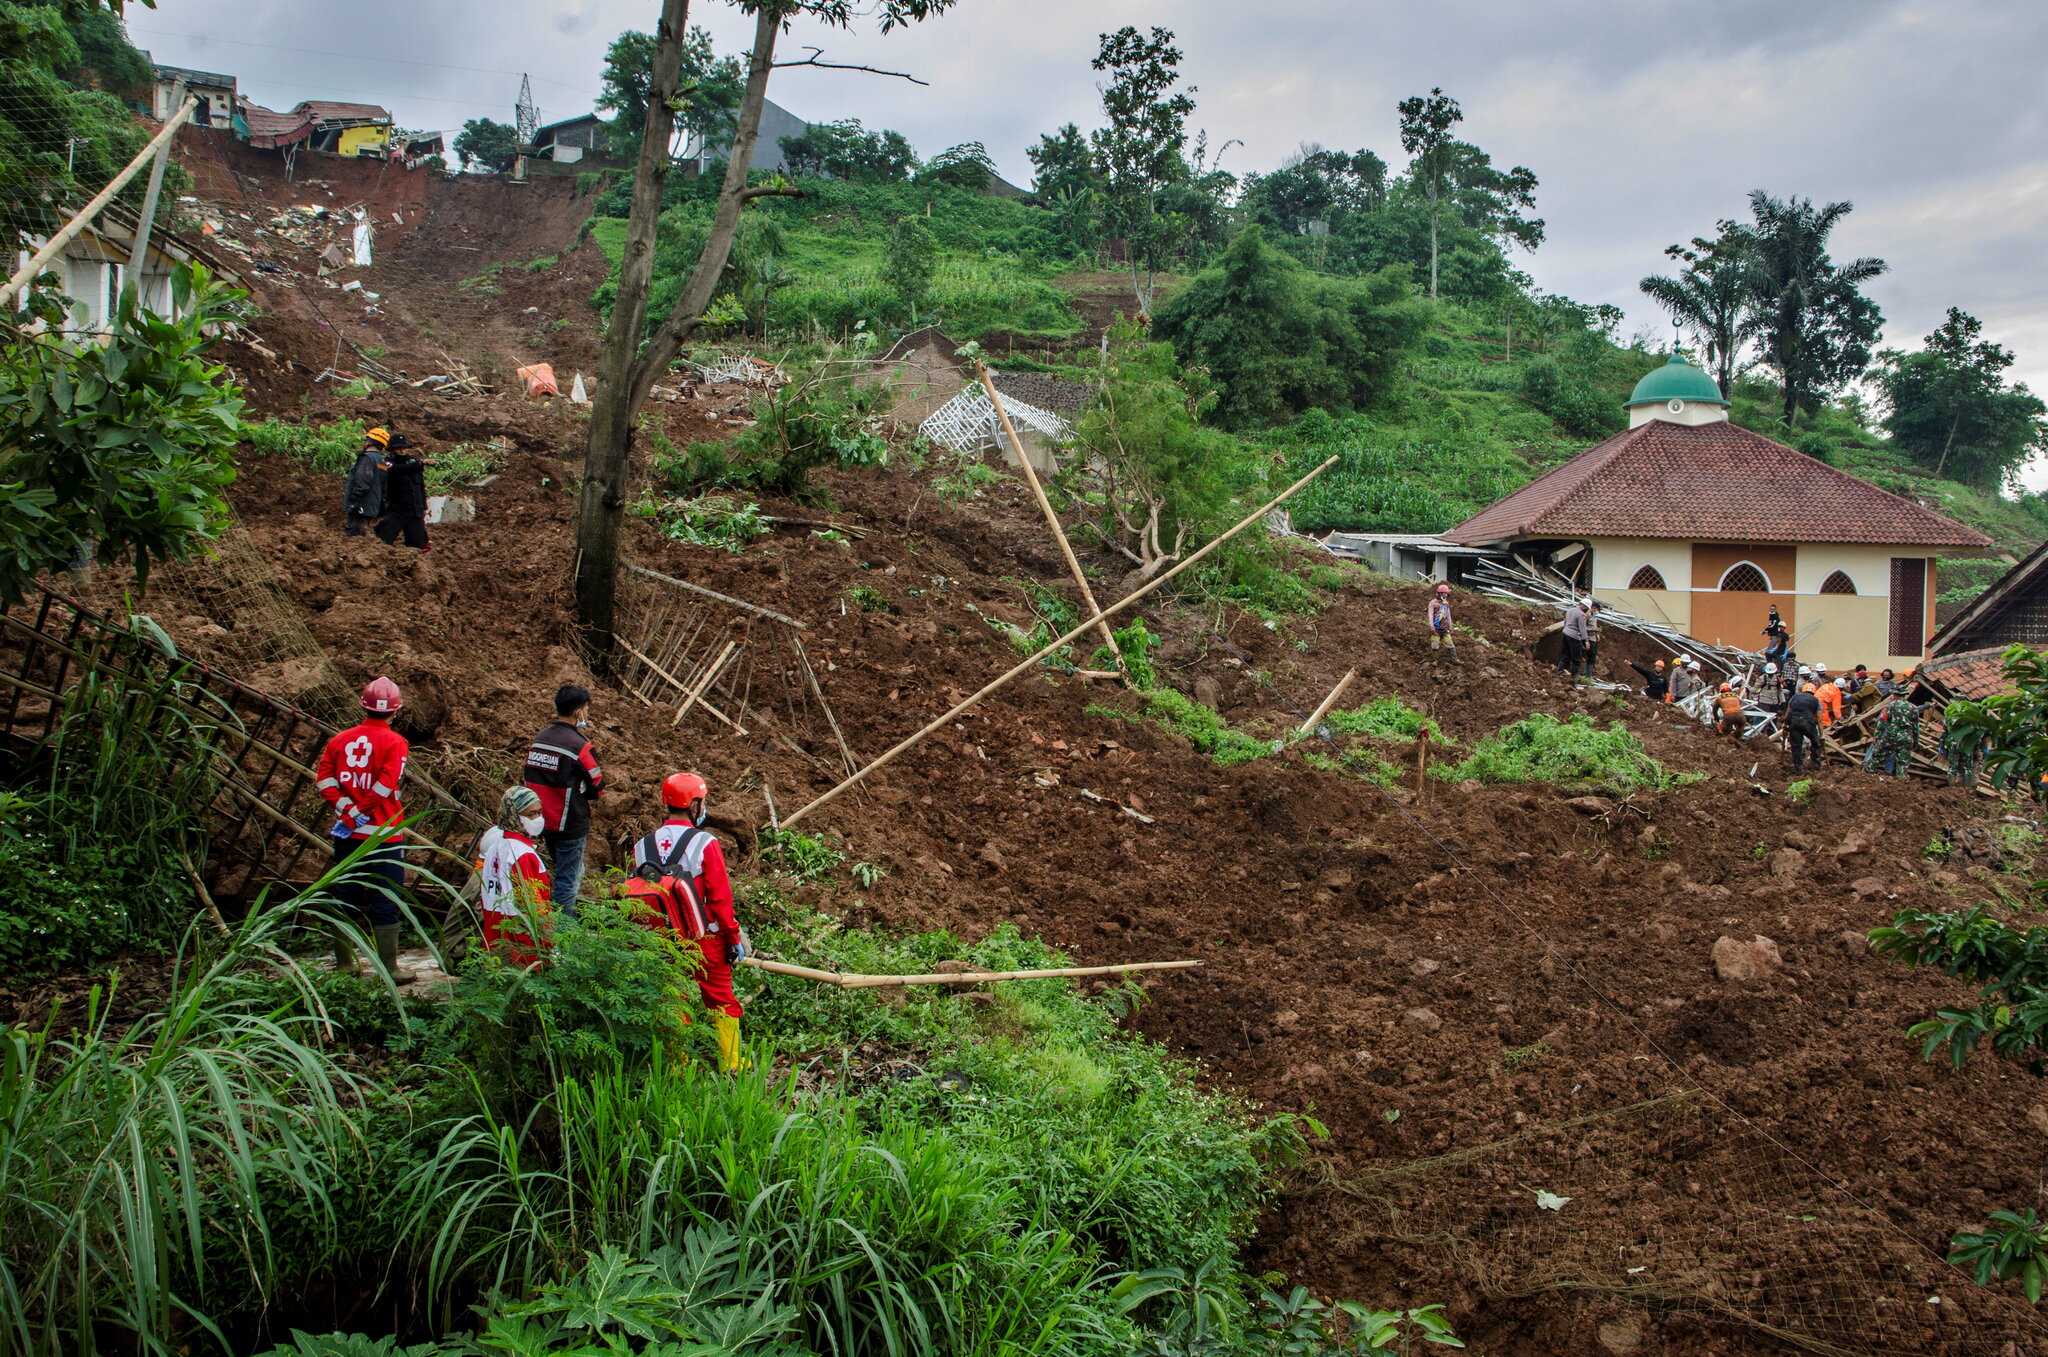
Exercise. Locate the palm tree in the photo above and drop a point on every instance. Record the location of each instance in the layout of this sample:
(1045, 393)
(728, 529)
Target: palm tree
(1810, 317)
(1711, 297)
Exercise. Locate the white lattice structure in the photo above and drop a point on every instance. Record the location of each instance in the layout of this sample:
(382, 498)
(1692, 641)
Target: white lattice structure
(739, 367)
(967, 423)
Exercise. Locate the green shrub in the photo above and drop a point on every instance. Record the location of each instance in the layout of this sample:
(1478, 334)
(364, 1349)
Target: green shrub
(813, 423)
(320, 447)
(721, 521)
(462, 465)
(1575, 754)
(1200, 726)
(1385, 718)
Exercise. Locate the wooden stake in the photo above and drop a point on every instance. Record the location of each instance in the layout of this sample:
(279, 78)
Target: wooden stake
(1026, 665)
(1308, 726)
(24, 275)
(205, 896)
(848, 980)
(1421, 757)
(1045, 507)
(704, 684)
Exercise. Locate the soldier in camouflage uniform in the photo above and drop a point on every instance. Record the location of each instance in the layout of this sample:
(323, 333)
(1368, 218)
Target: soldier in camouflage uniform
(1898, 730)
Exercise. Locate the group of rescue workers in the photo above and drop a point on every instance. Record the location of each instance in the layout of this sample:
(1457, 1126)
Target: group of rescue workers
(678, 882)
(387, 486)
(1802, 700)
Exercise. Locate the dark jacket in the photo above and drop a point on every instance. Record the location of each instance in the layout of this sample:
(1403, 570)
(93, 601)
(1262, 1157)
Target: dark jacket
(364, 491)
(1655, 682)
(405, 492)
(561, 768)
(1803, 711)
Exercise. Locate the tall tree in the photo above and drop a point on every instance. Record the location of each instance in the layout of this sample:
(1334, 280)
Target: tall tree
(710, 87)
(1492, 201)
(1811, 319)
(1140, 152)
(909, 257)
(1315, 184)
(1710, 296)
(630, 366)
(1951, 409)
(1426, 123)
(846, 150)
(493, 145)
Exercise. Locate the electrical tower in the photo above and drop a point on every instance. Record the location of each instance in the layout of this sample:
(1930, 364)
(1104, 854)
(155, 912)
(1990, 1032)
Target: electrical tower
(528, 115)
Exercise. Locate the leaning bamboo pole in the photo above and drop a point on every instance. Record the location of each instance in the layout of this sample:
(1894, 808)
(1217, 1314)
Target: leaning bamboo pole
(1026, 665)
(852, 980)
(1319, 713)
(1052, 519)
(51, 248)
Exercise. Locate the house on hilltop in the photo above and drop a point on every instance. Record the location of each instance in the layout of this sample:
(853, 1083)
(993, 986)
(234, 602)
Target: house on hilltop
(1686, 519)
(218, 101)
(571, 140)
(320, 125)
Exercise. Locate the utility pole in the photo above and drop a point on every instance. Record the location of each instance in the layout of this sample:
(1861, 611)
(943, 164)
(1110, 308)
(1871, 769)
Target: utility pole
(139, 256)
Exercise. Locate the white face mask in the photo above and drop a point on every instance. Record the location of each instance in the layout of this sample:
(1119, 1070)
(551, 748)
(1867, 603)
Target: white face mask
(532, 824)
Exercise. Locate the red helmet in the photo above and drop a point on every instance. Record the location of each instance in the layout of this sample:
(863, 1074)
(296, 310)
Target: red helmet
(680, 790)
(381, 697)
(1443, 588)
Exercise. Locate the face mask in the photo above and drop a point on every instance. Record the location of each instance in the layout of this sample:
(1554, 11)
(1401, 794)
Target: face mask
(532, 824)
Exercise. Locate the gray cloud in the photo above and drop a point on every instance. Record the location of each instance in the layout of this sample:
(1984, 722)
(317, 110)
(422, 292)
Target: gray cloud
(1646, 121)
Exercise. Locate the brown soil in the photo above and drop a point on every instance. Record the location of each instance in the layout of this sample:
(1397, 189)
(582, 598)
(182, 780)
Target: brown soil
(1802, 1194)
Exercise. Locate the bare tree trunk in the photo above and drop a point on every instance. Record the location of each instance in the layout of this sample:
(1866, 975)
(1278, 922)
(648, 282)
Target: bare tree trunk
(1432, 247)
(629, 370)
(600, 509)
(1950, 441)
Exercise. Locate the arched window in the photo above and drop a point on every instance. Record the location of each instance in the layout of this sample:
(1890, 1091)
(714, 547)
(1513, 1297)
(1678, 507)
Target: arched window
(1744, 578)
(1838, 582)
(1649, 577)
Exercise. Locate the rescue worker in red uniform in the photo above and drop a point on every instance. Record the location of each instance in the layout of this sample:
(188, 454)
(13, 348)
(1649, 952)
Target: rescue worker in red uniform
(514, 898)
(681, 847)
(359, 774)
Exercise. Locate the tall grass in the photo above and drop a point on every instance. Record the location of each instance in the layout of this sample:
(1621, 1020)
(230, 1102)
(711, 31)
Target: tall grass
(138, 1166)
(888, 1237)
(321, 447)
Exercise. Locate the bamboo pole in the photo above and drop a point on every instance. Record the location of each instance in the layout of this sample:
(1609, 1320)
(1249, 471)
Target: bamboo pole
(1308, 726)
(1421, 758)
(704, 684)
(1027, 664)
(624, 645)
(138, 258)
(850, 980)
(57, 242)
(995, 399)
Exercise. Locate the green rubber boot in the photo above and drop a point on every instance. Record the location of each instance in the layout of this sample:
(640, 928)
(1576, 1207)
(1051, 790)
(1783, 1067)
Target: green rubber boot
(387, 954)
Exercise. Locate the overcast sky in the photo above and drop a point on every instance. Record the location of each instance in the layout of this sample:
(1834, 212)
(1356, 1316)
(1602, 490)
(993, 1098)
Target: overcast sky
(1645, 120)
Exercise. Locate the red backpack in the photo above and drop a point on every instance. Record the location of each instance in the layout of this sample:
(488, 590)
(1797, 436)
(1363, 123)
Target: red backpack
(669, 899)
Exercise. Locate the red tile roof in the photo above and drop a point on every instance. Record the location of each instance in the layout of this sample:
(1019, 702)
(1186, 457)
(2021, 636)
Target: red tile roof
(1712, 483)
(1975, 674)
(271, 129)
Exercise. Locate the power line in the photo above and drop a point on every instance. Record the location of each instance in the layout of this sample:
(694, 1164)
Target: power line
(353, 56)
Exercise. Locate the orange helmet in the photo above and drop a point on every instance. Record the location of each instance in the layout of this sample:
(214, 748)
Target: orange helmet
(679, 791)
(381, 697)
(1726, 688)
(380, 436)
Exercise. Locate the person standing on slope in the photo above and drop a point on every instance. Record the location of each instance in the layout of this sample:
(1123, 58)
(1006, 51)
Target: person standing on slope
(682, 851)
(405, 498)
(362, 494)
(562, 770)
(1656, 682)
(1802, 728)
(1440, 633)
(1572, 645)
(515, 891)
(359, 775)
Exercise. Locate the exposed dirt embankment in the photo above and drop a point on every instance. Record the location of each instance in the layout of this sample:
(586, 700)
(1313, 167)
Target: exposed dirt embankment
(1486, 981)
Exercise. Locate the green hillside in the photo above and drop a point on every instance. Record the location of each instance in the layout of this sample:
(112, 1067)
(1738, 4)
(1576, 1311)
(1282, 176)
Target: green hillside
(1495, 391)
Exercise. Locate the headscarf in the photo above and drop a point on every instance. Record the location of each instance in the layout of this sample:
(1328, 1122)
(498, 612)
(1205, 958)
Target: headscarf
(517, 801)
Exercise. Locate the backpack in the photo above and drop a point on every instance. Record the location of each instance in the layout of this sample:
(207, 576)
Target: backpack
(674, 900)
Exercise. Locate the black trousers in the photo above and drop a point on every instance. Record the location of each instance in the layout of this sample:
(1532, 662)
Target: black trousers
(1810, 740)
(414, 526)
(1570, 651)
(371, 887)
(356, 523)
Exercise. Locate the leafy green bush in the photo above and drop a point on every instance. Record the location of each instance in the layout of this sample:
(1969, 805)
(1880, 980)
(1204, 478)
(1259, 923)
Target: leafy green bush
(321, 447)
(1385, 718)
(117, 450)
(813, 423)
(2016, 1245)
(462, 465)
(2006, 962)
(65, 903)
(721, 521)
(1200, 726)
(1575, 754)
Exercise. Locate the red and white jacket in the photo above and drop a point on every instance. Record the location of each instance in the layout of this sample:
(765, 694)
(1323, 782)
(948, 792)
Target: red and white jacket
(359, 774)
(561, 769)
(514, 878)
(703, 862)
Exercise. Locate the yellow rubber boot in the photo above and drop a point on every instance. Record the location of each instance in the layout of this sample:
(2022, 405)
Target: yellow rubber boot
(728, 1029)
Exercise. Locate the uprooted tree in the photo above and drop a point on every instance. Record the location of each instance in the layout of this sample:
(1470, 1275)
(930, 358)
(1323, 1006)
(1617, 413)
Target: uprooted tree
(635, 355)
